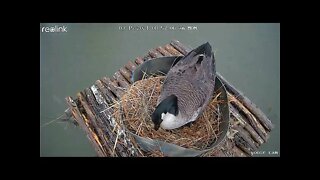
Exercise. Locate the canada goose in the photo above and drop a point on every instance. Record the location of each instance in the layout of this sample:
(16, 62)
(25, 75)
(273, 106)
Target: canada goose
(187, 89)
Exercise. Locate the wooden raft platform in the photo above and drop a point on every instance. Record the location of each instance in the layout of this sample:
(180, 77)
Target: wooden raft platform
(91, 110)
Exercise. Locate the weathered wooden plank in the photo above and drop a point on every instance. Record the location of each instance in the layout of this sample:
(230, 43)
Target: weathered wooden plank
(238, 152)
(239, 143)
(235, 114)
(114, 80)
(99, 109)
(139, 60)
(78, 117)
(231, 150)
(180, 47)
(248, 104)
(112, 87)
(163, 51)
(99, 127)
(126, 74)
(172, 50)
(109, 96)
(130, 66)
(154, 54)
(246, 137)
(250, 119)
(121, 80)
(89, 118)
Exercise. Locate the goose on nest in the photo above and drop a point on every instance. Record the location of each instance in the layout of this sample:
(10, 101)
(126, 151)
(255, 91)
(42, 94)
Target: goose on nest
(187, 89)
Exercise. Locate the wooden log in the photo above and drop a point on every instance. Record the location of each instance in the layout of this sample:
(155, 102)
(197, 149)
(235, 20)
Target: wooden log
(112, 79)
(98, 106)
(130, 66)
(243, 145)
(95, 100)
(180, 47)
(121, 80)
(250, 118)
(139, 60)
(108, 95)
(88, 118)
(252, 145)
(247, 103)
(231, 150)
(114, 88)
(238, 152)
(126, 74)
(104, 115)
(78, 117)
(154, 54)
(234, 113)
(172, 50)
(163, 51)
(90, 105)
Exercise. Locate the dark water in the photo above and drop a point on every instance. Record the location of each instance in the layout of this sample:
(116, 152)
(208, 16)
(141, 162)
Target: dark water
(247, 55)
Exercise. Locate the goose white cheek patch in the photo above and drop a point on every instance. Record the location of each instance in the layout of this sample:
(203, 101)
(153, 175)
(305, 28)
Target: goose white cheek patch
(162, 115)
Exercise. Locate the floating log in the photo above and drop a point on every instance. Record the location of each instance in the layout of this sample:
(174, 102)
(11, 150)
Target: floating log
(93, 109)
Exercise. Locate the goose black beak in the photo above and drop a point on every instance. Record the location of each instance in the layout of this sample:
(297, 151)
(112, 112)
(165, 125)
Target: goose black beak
(156, 127)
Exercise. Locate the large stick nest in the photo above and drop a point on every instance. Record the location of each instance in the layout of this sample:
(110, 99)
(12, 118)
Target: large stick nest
(138, 103)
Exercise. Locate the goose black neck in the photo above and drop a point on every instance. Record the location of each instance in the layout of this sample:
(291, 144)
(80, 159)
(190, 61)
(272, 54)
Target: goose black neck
(168, 105)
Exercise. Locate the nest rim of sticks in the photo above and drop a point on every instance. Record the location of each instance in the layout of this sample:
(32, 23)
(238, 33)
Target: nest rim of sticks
(138, 103)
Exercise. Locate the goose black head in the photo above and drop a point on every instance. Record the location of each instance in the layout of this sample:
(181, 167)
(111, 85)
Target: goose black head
(168, 105)
(198, 55)
(204, 49)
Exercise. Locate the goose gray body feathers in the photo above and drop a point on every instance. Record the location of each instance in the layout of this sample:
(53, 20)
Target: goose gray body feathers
(191, 81)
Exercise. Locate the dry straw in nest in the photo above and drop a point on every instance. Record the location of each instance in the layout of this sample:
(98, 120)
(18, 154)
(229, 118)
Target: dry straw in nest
(140, 100)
